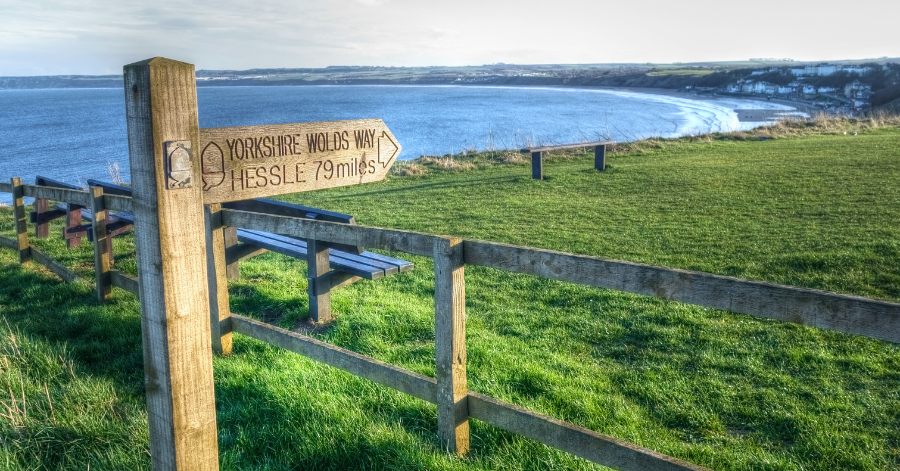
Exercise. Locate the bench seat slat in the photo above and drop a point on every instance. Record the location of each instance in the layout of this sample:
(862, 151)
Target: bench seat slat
(296, 248)
(337, 258)
(402, 265)
(388, 265)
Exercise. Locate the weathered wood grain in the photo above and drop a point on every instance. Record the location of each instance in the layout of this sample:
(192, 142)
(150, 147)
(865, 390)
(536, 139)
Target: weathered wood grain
(73, 220)
(161, 108)
(319, 290)
(57, 268)
(241, 163)
(840, 312)
(125, 281)
(387, 239)
(219, 309)
(590, 445)
(41, 228)
(21, 224)
(450, 344)
(280, 208)
(79, 197)
(240, 252)
(233, 255)
(118, 203)
(529, 150)
(102, 244)
(5, 188)
(389, 375)
(45, 216)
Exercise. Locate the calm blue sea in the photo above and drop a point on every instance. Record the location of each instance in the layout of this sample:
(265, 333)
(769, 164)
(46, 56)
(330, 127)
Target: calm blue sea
(73, 135)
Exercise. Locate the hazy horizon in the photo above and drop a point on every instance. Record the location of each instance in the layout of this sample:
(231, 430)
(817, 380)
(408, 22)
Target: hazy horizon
(59, 37)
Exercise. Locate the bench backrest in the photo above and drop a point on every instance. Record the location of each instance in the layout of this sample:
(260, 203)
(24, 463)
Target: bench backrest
(44, 181)
(265, 206)
(110, 188)
(279, 208)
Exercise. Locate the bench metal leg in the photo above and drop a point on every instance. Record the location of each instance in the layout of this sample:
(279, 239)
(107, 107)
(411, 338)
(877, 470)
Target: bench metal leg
(232, 271)
(600, 157)
(319, 281)
(537, 164)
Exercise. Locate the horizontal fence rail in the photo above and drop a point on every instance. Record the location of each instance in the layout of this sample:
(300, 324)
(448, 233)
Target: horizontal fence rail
(840, 312)
(79, 197)
(124, 281)
(599, 448)
(8, 243)
(843, 313)
(385, 239)
(57, 268)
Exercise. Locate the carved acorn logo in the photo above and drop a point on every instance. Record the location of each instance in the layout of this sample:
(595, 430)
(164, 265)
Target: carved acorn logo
(213, 166)
(179, 167)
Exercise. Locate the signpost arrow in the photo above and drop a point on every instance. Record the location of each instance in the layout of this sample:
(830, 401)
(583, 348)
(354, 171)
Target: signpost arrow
(387, 149)
(247, 162)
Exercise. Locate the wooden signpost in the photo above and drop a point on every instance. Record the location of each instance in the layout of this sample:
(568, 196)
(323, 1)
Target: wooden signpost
(180, 174)
(248, 162)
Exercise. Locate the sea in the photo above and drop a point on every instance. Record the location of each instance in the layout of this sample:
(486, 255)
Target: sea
(76, 134)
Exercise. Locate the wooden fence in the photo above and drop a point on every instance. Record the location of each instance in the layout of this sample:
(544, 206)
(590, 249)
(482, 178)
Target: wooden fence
(449, 391)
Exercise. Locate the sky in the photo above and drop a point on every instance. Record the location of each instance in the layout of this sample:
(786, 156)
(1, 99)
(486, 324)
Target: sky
(58, 37)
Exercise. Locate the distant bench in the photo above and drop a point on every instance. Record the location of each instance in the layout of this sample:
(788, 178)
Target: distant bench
(346, 263)
(537, 159)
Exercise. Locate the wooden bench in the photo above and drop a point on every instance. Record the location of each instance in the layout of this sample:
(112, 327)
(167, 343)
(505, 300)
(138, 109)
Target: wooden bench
(537, 159)
(343, 264)
(42, 214)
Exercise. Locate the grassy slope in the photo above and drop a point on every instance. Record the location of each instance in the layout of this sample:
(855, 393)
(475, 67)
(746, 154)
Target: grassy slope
(723, 390)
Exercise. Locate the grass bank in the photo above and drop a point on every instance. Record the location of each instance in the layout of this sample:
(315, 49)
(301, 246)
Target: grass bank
(809, 206)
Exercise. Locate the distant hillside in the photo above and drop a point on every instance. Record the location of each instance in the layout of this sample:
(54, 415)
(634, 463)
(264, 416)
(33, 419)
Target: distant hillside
(672, 76)
(61, 81)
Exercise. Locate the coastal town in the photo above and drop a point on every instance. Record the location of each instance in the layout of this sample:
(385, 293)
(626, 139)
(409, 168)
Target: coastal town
(850, 92)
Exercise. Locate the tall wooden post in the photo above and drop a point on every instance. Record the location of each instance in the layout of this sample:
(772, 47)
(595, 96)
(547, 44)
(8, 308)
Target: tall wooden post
(219, 309)
(318, 266)
(450, 344)
(102, 244)
(164, 149)
(537, 166)
(18, 195)
(41, 230)
(600, 157)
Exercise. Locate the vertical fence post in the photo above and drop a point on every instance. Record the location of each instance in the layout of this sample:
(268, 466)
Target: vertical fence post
(41, 229)
(233, 269)
(600, 157)
(450, 344)
(102, 242)
(170, 240)
(318, 265)
(219, 309)
(537, 166)
(18, 196)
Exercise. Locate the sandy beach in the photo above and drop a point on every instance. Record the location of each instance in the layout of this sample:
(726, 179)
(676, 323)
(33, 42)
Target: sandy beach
(749, 109)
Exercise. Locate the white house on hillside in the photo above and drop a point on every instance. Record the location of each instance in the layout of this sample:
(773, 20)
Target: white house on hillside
(858, 90)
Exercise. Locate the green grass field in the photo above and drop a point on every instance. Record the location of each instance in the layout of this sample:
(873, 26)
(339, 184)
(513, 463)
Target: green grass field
(723, 390)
